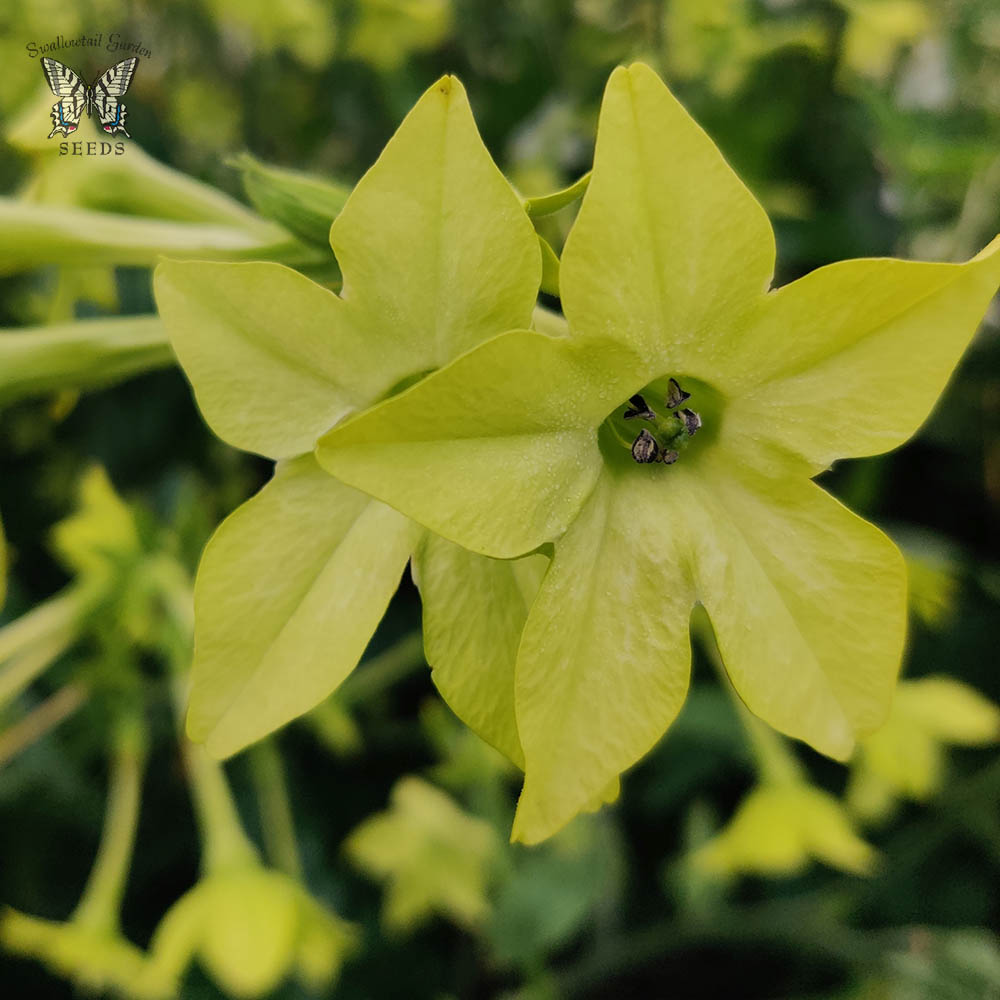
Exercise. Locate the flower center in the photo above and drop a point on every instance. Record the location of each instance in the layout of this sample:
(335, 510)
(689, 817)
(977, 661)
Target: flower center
(657, 425)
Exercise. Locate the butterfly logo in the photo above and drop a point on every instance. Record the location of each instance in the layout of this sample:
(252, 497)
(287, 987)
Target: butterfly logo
(75, 96)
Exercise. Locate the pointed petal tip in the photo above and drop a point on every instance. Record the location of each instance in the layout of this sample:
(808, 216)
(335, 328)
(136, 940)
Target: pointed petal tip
(448, 85)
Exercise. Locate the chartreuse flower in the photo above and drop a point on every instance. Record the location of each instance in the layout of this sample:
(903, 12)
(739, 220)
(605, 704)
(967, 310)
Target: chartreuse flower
(89, 948)
(250, 926)
(434, 857)
(437, 256)
(667, 447)
(906, 757)
(785, 822)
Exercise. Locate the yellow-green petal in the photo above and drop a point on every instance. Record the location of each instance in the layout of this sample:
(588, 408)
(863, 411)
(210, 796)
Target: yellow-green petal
(437, 255)
(474, 611)
(670, 250)
(269, 353)
(497, 451)
(290, 590)
(603, 666)
(851, 359)
(435, 247)
(807, 600)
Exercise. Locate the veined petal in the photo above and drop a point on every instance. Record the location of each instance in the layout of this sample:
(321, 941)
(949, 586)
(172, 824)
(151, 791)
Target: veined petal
(496, 452)
(851, 359)
(807, 600)
(670, 249)
(474, 611)
(604, 660)
(289, 591)
(271, 355)
(435, 247)
(437, 255)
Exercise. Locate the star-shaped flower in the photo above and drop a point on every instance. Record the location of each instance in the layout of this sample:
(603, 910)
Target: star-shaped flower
(437, 256)
(432, 856)
(779, 828)
(656, 502)
(906, 757)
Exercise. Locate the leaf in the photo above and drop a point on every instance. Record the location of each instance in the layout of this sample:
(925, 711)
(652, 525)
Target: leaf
(850, 359)
(474, 611)
(290, 590)
(604, 660)
(807, 600)
(496, 452)
(669, 248)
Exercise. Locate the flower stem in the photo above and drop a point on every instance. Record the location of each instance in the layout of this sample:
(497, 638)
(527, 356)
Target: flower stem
(384, 669)
(32, 642)
(276, 819)
(224, 841)
(100, 904)
(40, 720)
(776, 764)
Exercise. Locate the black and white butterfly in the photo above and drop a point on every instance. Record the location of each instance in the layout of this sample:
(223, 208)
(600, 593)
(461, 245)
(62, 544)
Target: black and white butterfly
(75, 96)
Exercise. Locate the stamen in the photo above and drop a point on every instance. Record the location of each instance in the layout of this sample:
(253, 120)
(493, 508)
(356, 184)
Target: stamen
(675, 394)
(639, 408)
(669, 457)
(644, 448)
(691, 421)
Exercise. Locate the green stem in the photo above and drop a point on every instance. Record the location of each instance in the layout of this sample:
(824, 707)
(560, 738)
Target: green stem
(224, 841)
(384, 670)
(776, 764)
(100, 905)
(41, 720)
(277, 823)
(32, 642)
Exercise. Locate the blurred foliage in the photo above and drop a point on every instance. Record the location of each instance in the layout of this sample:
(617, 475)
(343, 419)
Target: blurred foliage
(866, 127)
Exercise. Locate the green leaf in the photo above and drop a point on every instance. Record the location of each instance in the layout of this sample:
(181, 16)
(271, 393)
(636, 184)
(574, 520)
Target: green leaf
(437, 252)
(496, 452)
(850, 359)
(474, 611)
(271, 356)
(290, 590)
(669, 248)
(807, 600)
(603, 665)
(81, 355)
